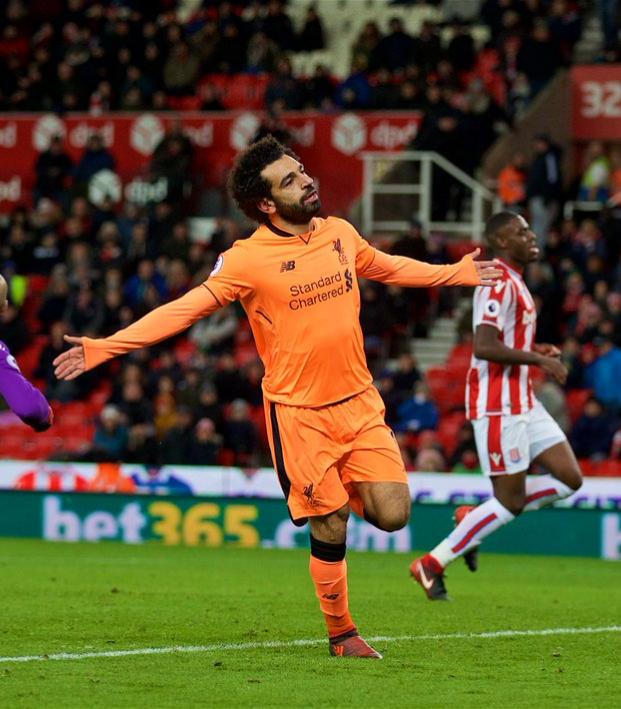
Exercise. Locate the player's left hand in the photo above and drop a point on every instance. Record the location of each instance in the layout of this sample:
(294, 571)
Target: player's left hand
(546, 350)
(71, 363)
(488, 271)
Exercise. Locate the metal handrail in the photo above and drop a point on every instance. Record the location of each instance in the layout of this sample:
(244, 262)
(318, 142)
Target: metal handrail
(427, 159)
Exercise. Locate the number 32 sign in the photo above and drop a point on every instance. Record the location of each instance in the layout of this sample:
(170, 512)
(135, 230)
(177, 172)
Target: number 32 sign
(596, 102)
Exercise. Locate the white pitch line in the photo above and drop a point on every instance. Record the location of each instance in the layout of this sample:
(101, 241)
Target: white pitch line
(221, 647)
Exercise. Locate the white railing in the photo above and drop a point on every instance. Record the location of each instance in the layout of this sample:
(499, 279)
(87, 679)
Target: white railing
(378, 165)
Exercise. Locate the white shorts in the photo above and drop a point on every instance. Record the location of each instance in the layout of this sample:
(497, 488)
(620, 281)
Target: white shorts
(508, 444)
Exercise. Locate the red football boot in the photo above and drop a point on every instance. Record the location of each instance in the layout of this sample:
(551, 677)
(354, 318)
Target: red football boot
(352, 645)
(430, 575)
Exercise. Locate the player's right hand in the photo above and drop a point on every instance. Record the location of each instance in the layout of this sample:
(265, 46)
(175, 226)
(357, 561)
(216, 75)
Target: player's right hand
(72, 363)
(554, 367)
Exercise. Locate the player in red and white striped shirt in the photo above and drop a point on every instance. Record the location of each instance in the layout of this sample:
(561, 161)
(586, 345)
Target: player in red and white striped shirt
(512, 429)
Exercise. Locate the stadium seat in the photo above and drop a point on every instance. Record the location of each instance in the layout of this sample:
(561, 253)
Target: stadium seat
(461, 352)
(458, 249)
(226, 457)
(458, 371)
(75, 444)
(447, 388)
(576, 399)
(257, 415)
(448, 431)
(28, 359)
(600, 468)
(36, 288)
(185, 349)
(98, 398)
(77, 409)
(37, 447)
(184, 103)
(245, 349)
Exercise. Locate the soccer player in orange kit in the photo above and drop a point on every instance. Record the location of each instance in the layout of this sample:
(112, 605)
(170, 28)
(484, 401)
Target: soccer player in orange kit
(296, 277)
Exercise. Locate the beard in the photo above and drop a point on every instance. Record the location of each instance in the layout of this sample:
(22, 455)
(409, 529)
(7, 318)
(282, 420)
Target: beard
(297, 212)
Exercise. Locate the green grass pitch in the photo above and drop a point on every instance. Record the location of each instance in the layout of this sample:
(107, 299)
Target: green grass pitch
(81, 598)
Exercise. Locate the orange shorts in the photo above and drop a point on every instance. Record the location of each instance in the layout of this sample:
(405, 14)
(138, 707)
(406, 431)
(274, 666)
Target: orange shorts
(320, 453)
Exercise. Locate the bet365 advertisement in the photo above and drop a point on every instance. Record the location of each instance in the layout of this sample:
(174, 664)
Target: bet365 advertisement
(249, 522)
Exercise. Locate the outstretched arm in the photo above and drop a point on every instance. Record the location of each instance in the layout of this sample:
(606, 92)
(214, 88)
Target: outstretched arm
(403, 271)
(158, 325)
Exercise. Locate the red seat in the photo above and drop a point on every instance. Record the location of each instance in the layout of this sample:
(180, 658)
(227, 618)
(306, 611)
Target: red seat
(458, 249)
(185, 350)
(458, 371)
(98, 399)
(435, 375)
(37, 283)
(600, 468)
(75, 444)
(35, 448)
(226, 457)
(74, 408)
(12, 446)
(448, 430)
(184, 103)
(447, 388)
(576, 399)
(257, 415)
(67, 420)
(461, 352)
(28, 359)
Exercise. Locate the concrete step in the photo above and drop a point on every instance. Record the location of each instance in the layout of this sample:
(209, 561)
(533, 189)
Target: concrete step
(591, 41)
(425, 364)
(441, 335)
(444, 325)
(432, 346)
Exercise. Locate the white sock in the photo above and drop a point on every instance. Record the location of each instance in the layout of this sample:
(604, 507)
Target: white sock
(472, 530)
(542, 490)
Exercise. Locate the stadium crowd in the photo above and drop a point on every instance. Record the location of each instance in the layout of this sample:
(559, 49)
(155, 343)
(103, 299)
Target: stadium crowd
(78, 268)
(75, 55)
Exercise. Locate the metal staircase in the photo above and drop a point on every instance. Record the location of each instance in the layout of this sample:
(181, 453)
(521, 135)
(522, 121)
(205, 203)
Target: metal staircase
(398, 185)
(434, 349)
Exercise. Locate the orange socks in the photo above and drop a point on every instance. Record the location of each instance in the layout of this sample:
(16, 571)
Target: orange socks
(330, 579)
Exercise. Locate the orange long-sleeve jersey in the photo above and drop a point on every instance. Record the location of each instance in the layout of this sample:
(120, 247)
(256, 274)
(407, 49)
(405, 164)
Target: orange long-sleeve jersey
(302, 299)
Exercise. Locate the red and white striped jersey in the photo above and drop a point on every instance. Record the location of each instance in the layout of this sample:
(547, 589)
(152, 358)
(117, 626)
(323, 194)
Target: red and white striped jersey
(492, 388)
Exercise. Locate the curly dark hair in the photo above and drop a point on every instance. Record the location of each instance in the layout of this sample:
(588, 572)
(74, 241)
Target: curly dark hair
(246, 185)
(496, 223)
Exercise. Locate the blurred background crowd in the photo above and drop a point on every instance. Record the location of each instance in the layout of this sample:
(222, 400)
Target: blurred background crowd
(77, 268)
(76, 55)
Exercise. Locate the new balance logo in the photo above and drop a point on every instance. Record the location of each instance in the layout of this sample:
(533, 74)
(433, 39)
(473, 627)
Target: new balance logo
(287, 266)
(349, 281)
(330, 596)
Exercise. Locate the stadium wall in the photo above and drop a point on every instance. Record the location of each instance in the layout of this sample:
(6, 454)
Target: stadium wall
(231, 482)
(264, 522)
